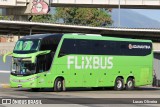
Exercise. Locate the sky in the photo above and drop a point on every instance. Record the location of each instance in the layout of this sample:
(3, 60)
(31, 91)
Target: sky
(151, 13)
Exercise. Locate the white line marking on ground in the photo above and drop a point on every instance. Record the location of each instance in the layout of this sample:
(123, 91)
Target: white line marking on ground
(5, 71)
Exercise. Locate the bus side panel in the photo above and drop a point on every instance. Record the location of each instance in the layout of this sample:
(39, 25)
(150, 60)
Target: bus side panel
(73, 77)
(76, 74)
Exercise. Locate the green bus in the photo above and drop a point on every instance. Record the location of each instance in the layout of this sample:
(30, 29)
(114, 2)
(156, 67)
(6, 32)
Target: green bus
(60, 61)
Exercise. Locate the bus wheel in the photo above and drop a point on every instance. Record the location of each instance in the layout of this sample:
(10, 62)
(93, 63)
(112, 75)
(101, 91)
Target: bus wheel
(58, 85)
(130, 84)
(35, 89)
(118, 84)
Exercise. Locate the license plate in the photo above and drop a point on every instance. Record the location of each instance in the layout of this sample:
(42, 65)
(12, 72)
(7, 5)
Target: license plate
(19, 85)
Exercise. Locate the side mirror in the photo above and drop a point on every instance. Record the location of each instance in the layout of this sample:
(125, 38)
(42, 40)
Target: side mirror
(5, 55)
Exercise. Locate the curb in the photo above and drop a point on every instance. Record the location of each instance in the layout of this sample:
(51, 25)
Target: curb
(4, 86)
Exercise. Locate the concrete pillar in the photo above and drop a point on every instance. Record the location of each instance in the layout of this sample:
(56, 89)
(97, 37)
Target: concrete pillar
(156, 46)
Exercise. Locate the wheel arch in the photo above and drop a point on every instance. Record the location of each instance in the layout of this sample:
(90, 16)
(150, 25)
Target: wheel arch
(130, 87)
(120, 77)
(130, 77)
(61, 77)
(115, 84)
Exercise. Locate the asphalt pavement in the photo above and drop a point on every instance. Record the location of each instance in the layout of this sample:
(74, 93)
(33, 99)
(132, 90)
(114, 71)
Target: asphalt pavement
(79, 97)
(84, 97)
(5, 70)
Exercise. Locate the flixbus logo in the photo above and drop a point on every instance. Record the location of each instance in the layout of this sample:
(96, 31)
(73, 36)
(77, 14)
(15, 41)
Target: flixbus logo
(90, 62)
(131, 46)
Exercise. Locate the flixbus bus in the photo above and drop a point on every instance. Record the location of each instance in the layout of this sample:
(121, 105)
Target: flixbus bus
(78, 60)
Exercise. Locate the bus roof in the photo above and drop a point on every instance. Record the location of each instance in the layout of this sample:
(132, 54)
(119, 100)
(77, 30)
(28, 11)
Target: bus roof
(41, 36)
(82, 36)
(107, 37)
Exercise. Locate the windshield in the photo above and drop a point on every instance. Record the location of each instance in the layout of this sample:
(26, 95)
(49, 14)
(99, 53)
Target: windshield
(31, 45)
(20, 67)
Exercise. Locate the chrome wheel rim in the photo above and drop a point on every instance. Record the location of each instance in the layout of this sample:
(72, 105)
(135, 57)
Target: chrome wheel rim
(130, 84)
(59, 84)
(119, 84)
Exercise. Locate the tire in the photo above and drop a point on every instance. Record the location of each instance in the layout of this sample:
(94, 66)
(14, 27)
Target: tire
(130, 84)
(58, 85)
(35, 89)
(118, 84)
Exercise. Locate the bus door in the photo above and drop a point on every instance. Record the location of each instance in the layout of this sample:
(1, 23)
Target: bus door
(43, 66)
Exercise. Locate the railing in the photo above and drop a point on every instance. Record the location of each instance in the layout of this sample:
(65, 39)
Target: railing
(95, 2)
(111, 2)
(13, 2)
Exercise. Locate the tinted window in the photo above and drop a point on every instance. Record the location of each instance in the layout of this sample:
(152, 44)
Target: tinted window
(105, 47)
(50, 43)
(45, 66)
(44, 44)
(136, 48)
(83, 46)
(68, 47)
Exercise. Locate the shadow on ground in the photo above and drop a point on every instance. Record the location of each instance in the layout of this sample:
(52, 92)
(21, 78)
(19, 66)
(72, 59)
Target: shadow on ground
(91, 89)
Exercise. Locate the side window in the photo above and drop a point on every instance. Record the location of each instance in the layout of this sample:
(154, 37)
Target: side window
(50, 43)
(98, 47)
(53, 44)
(43, 45)
(68, 47)
(46, 44)
(112, 48)
(84, 46)
(135, 48)
(125, 48)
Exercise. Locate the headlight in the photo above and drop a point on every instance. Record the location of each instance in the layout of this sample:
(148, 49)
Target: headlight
(30, 79)
(33, 78)
(27, 59)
